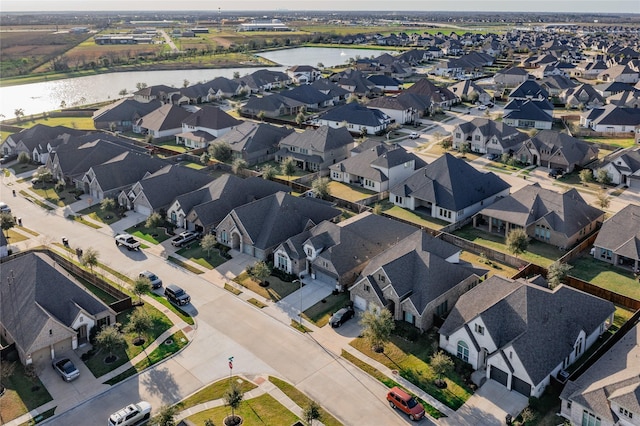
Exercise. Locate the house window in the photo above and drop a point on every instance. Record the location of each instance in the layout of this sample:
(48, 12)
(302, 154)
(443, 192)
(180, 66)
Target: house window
(626, 412)
(442, 308)
(568, 405)
(282, 262)
(409, 317)
(476, 138)
(479, 329)
(463, 351)
(224, 237)
(606, 254)
(578, 348)
(367, 288)
(381, 277)
(398, 199)
(458, 135)
(590, 419)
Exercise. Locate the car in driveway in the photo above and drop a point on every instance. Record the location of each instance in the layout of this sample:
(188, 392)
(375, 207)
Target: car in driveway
(184, 238)
(406, 403)
(132, 414)
(153, 278)
(414, 135)
(555, 173)
(65, 368)
(341, 316)
(176, 295)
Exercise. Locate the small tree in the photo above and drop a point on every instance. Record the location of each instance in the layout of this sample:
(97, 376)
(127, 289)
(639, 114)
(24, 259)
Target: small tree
(377, 208)
(311, 412)
(321, 188)
(209, 422)
(123, 92)
(463, 148)
(233, 398)
(110, 339)
(19, 113)
(166, 416)
(141, 285)
(23, 158)
(603, 199)
(236, 74)
(221, 151)
(43, 174)
(141, 85)
(260, 271)
(586, 176)
(107, 204)
(90, 258)
(288, 168)
(527, 416)
(7, 222)
(238, 165)
(603, 176)
(505, 157)
(300, 118)
(154, 220)
(139, 323)
(445, 143)
(556, 273)
(441, 365)
(268, 172)
(260, 115)
(204, 158)
(377, 328)
(517, 241)
(208, 243)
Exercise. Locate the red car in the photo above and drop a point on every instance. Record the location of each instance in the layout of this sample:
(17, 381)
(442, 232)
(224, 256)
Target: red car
(406, 403)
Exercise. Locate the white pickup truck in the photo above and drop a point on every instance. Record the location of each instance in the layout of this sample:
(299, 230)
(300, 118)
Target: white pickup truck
(128, 241)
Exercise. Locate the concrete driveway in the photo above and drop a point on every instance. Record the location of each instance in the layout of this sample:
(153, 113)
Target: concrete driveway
(488, 406)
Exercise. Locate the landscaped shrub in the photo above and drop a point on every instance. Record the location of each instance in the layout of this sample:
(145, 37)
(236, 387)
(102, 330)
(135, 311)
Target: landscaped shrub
(283, 275)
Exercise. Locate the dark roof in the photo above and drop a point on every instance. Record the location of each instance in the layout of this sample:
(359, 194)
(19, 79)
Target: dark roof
(251, 137)
(166, 117)
(436, 93)
(41, 134)
(574, 150)
(527, 110)
(125, 170)
(163, 186)
(621, 233)
(35, 291)
(542, 325)
(355, 113)
(451, 183)
(382, 156)
(566, 213)
(306, 94)
(529, 89)
(211, 118)
(322, 139)
(126, 109)
(271, 102)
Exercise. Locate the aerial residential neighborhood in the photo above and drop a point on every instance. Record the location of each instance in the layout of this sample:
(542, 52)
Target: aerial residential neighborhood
(320, 217)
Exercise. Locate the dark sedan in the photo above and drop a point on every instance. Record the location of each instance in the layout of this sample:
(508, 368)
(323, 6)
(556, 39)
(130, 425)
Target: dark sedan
(341, 316)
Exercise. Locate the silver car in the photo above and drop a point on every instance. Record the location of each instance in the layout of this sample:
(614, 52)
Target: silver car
(65, 368)
(155, 281)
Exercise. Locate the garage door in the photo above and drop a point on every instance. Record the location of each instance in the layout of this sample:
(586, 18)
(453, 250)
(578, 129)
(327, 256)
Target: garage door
(325, 278)
(520, 386)
(498, 375)
(360, 303)
(143, 209)
(633, 182)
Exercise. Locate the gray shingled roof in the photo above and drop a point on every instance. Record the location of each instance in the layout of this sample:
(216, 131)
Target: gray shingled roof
(38, 292)
(574, 150)
(251, 137)
(621, 233)
(271, 102)
(566, 213)
(527, 110)
(322, 139)
(126, 109)
(306, 94)
(125, 170)
(381, 155)
(542, 325)
(211, 118)
(354, 113)
(529, 89)
(167, 117)
(163, 186)
(450, 183)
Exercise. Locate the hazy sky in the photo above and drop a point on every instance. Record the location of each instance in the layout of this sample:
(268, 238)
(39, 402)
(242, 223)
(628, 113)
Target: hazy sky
(603, 6)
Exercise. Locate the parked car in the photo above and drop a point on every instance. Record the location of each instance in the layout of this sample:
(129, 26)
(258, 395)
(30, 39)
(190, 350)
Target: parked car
(131, 414)
(155, 281)
(176, 295)
(414, 135)
(184, 238)
(482, 107)
(406, 403)
(341, 316)
(8, 158)
(128, 241)
(493, 157)
(4, 208)
(554, 173)
(65, 368)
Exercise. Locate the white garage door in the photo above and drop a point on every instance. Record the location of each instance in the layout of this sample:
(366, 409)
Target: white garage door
(143, 209)
(360, 303)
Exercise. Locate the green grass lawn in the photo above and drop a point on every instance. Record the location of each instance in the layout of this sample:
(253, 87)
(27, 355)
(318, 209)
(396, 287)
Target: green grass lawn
(606, 275)
(195, 253)
(61, 199)
(22, 394)
(73, 122)
(348, 192)
(152, 235)
(276, 290)
(621, 142)
(182, 314)
(96, 213)
(262, 410)
(172, 345)
(409, 352)
(14, 237)
(303, 401)
(160, 324)
(171, 144)
(538, 252)
(412, 216)
(320, 313)
(185, 265)
(215, 391)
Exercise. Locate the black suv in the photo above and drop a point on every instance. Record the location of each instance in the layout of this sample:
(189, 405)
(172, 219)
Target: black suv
(176, 295)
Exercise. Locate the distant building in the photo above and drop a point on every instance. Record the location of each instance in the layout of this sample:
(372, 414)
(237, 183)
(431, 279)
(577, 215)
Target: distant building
(258, 25)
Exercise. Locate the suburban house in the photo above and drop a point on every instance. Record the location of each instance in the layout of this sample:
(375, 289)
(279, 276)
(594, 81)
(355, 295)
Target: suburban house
(511, 77)
(258, 227)
(468, 90)
(378, 168)
(164, 122)
(254, 142)
(623, 168)
(356, 118)
(43, 326)
(202, 209)
(264, 80)
(356, 82)
(618, 242)
(448, 189)
(535, 113)
(626, 99)
(157, 191)
(441, 97)
(316, 149)
(556, 84)
(611, 118)
(271, 105)
(311, 98)
(417, 279)
(552, 149)
(120, 173)
(619, 73)
(607, 393)
(548, 216)
(223, 88)
(303, 74)
(159, 92)
(529, 89)
(521, 333)
(337, 93)
(487, 136)
(122, 114)
(582, 96)
(37, 141)
(336, 253)
(385, 83)
(403, 108)
(208, 119)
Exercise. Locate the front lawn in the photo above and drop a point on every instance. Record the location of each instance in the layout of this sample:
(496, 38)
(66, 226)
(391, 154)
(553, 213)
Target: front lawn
(276, 290)
(152, 235)
(195, 253)
(409, 352)
(537, 253)
(303, 401)
(320, 313)
(262, 410)
(96, 213)
(215, 391)
(606, 275)
(60, 199)
(22, 393)
(15, 237)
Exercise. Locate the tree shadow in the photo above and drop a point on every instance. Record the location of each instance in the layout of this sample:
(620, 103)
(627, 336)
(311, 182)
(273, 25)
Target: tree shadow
(160, 382)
